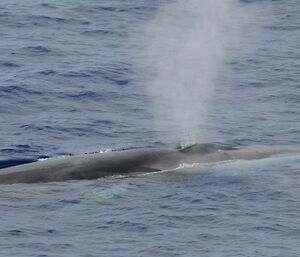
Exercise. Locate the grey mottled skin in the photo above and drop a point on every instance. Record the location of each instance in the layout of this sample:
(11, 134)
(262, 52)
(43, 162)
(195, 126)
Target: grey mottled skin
(130, 162)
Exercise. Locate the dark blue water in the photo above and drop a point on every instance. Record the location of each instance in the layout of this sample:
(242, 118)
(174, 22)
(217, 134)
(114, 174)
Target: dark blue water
(69, 84)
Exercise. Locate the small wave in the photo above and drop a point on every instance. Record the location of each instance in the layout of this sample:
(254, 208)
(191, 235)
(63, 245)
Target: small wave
(15, 232)
(110, 9)
(10, 65)
(117, 74)
(76, 74)
(41, 19)
(19, 149)
(71, 201)
(47, 5)
(37, 49)
(47, 72)
(85, 94)
(282, 28)
(57, 19)
(141, 9)
(99, 32)
(17, 90)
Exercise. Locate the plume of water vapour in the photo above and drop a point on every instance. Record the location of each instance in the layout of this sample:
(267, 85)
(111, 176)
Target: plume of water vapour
(186, 45)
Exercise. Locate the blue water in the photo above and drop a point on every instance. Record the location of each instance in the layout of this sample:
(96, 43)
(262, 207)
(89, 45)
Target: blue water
(69, 85)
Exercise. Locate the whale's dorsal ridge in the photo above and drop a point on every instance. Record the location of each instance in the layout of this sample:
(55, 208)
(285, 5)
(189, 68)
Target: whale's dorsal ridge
(205, 148)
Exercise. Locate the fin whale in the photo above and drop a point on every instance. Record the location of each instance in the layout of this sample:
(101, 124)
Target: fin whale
(134, 161)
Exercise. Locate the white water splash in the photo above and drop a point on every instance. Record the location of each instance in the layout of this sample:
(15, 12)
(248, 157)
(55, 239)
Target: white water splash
(105, 151)
(54, 158)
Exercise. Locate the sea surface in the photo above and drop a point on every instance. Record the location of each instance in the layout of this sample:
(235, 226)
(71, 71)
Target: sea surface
(69, 85)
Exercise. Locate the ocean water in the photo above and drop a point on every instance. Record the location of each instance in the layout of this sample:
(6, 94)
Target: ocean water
(69, 85)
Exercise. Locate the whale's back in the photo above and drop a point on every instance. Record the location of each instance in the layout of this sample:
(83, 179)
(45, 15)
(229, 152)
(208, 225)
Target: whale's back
(205, 148)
